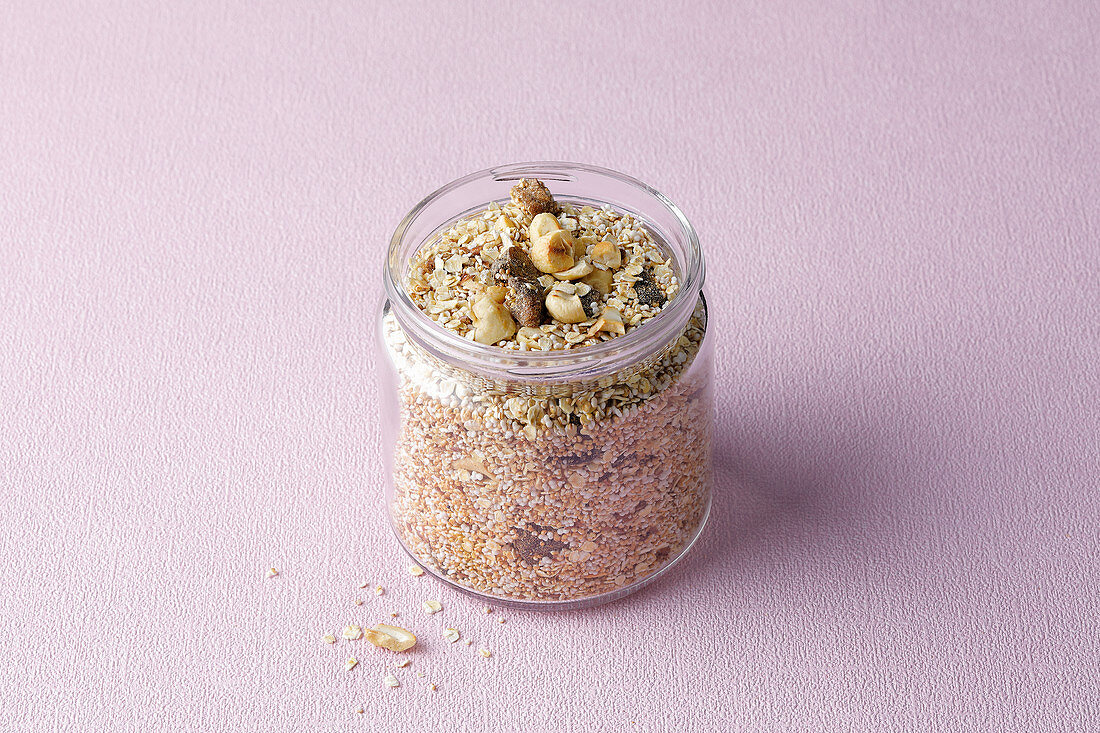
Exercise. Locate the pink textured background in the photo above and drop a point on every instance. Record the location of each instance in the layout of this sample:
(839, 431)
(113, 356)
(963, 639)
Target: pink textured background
(902, 213)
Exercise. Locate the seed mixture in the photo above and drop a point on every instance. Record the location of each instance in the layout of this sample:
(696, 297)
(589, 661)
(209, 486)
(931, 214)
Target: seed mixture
(548, 492)
(534, 275)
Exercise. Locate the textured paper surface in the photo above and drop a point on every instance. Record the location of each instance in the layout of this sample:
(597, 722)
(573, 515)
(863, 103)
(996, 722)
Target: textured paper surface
(899, 206)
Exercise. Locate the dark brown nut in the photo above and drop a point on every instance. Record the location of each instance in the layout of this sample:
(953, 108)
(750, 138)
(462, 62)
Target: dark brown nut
(514, 263)
(649, 292)
(532, 195)
(525, 302)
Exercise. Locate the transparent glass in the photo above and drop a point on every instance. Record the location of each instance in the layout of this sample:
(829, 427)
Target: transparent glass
(487, 498)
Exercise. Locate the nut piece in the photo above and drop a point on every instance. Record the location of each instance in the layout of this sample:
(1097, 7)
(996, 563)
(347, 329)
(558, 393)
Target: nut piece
(543, 226)
(610, 320)
(431, 607)
(553, 253)
(352, 632)
(565, 306)
(525, 303)
(582, 244)
(514, 263)
(575, 272)
(607, 253)
(599, 280)
(451, 635)
(389, 637)
(492, 321)
(390, 681)
(532, 195)
(552, 248)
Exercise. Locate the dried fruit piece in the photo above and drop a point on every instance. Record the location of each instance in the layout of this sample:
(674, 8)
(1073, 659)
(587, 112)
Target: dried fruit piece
(350, 664)
(607, 253)
(514, 263)
(565, 306)
(451, 635)
(576, 272)
(389, 637)
(390, 681)
(530, 548)
(525, 303)
(416, 571)
(649, 292)
(352, 632)
(532, 195)
(431, 607)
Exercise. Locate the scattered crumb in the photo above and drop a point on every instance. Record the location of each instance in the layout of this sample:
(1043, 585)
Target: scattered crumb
(500, 620)
(359, 710)
(404, 663)
(416, 571)
(468, 642)
(432, 687)
(419, 674)
(487, 609)
(379, 590)
(351, 633)
(393, 614)
(359, 601)
(431, 607)
(390, 681)
(485, 653)
(350, 664)
(272, 572)
(364, 584)
(451, 635)
(328, 639)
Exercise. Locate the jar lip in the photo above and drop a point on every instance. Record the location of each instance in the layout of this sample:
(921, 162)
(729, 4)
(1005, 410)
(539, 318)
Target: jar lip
(588, 361)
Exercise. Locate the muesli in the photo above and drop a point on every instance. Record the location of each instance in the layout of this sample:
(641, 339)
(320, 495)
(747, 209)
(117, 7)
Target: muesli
(557, 492)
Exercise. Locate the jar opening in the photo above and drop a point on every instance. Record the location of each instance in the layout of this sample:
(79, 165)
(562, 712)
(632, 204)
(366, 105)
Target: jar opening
(578, 184)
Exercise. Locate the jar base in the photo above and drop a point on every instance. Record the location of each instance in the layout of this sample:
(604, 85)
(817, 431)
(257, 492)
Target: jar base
(568, 605)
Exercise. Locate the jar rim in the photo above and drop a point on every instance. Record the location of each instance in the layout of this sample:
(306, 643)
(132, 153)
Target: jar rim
(556, 365)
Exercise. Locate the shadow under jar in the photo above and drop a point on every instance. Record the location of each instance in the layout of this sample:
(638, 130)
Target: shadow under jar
(552, 478)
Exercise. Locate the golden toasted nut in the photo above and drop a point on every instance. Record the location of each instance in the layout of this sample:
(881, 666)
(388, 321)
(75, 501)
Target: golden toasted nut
(492, 322)
(598, 280)
(496, 293)
(582, 245)
(543, 225)
(607, 253)
(553, 252)
(565, 306)
(576, 272)
(389, 637)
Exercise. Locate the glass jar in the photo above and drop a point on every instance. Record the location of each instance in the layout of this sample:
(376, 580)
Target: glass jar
(547, 479)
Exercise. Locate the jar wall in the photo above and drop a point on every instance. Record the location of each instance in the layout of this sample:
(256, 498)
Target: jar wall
(548, 498)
